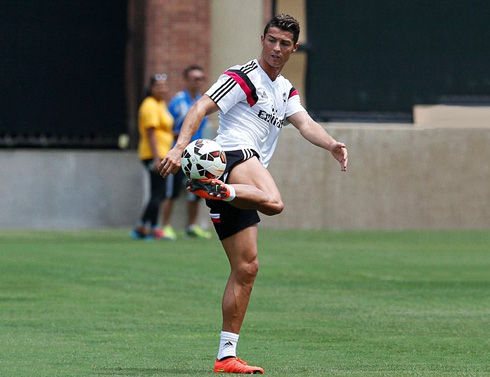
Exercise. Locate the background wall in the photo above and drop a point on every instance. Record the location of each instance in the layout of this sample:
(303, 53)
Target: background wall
(69, 189)
(235, 34)
(399, 177)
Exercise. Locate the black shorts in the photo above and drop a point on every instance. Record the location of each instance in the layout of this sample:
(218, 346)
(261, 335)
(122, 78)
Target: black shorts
(228, 220)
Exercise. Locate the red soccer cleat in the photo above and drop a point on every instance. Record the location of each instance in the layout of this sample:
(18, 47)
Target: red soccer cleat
(235, 365)
(212, 189)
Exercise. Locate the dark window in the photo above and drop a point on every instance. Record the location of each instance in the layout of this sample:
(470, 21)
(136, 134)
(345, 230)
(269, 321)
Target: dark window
(378, 59)
(62, 73)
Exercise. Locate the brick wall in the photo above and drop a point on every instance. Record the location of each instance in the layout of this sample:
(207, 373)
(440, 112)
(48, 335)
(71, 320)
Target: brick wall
(166, 36)
(178, 33)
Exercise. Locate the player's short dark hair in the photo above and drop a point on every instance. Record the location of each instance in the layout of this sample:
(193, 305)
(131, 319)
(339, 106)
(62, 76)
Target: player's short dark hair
(190, 68)
(284, 22)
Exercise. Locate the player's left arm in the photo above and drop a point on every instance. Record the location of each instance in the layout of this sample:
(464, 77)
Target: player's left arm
(316, 134)
(171, 162)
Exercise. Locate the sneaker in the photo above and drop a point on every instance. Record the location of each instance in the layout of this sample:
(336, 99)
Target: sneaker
(169, 233)
(158, 234)
(139, 233)
(235, 365)
(212, 189)
(198, 232)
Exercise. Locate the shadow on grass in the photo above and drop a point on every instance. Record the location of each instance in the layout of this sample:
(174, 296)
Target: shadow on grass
(122, 371)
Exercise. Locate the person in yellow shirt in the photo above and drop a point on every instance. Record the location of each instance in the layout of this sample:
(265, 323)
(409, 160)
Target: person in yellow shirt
(155, 125)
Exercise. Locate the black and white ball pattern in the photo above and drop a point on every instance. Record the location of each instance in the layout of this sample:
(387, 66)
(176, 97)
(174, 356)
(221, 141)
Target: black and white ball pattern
(203, 159)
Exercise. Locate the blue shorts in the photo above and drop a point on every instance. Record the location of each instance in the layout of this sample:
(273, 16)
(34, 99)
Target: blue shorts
(227, 219)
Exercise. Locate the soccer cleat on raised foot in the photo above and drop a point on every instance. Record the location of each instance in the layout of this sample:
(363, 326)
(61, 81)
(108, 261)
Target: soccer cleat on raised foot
(235, 365)
(212, 189)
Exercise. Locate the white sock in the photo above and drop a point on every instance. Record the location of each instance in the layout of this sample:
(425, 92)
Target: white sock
(232, 193)
(227, 344)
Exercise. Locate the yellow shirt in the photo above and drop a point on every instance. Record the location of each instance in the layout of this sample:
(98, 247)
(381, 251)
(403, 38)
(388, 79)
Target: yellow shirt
(154, 114)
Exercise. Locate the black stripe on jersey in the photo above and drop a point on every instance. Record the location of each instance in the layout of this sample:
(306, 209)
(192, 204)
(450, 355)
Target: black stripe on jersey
(230, 83)
(248, 82)
(249, 67)
(292, 92)
(223, 90)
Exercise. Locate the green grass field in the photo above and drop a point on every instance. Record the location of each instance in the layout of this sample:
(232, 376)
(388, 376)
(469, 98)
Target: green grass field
(95, 303)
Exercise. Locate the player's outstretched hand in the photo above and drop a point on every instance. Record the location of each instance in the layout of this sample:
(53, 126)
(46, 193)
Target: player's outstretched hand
(171, 163)
(339, 152)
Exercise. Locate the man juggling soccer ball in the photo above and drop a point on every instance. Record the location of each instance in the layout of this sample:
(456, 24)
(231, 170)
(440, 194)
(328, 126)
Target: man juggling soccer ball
(254, 102)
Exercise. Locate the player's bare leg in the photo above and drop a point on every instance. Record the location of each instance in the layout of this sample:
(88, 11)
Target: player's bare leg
(253, 188)
(241, 249)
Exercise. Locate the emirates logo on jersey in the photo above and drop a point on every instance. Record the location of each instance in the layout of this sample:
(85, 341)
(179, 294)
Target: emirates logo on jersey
(271, 118)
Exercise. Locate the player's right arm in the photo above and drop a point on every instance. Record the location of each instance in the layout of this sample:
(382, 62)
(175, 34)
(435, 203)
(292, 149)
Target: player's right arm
(315, 134)
(171, 162)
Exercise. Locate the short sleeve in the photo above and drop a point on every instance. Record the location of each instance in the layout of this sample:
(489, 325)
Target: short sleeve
(294, 103)
(226, 93)
(178, 108)
(148, 115)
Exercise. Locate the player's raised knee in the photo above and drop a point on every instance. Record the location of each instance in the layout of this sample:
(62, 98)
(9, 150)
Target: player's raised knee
(273, 208)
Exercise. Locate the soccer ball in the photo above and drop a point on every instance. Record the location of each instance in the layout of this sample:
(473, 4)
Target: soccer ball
(203, 159)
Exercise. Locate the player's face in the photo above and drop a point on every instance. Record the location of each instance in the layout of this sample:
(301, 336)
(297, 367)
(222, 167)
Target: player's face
(277, 46)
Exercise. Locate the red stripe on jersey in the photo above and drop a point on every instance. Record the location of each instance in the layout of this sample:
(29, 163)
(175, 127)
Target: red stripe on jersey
(293, 92)
(249, 92)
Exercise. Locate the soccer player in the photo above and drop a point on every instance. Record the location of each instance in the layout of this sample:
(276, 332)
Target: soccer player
(254, 102)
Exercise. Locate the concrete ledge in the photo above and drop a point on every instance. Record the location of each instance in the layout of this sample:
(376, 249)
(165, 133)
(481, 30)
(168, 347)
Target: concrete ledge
(69, 189)
(451, 116)
(399, 177)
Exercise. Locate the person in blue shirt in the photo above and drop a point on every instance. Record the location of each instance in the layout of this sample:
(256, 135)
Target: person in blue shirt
(194, 78)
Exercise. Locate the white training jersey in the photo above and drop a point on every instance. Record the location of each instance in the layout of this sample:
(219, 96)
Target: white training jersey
(252, 108)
